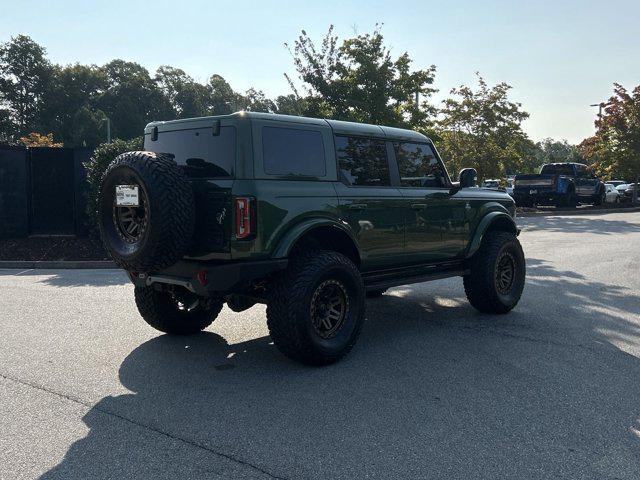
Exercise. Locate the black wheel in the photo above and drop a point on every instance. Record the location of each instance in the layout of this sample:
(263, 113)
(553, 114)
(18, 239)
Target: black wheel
(156, 232)
(497, 275)
(600, 198)
(568, 200)
(176, 311)
(376, 293)
(316, 308)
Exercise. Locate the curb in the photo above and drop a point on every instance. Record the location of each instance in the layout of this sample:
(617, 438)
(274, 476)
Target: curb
(561, 213)
(65, 264)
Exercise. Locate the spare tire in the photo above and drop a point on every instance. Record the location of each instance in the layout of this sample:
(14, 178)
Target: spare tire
(153, 227)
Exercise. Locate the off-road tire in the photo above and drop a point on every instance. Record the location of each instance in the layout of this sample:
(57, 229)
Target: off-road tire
(481, 284)
(376, 293)
(600, 198)
(568, 200)
(169, 209)
(160, 309)
(289, 307)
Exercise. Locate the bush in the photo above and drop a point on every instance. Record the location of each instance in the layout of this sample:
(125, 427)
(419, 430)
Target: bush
(96, 166)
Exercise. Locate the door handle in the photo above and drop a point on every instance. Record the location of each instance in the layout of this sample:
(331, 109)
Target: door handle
(357, 206)
(418, 206)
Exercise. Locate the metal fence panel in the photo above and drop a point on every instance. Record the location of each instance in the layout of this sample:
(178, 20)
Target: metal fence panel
(52, 191)
(14, 178)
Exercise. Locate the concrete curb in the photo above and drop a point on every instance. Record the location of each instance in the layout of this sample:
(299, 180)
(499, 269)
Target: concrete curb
(561, 213)
(65, 264)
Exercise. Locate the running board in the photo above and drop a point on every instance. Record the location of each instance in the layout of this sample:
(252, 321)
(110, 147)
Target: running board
(381, 280)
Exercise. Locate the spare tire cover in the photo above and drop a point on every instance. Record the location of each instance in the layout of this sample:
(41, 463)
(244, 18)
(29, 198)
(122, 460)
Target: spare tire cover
(145, 211)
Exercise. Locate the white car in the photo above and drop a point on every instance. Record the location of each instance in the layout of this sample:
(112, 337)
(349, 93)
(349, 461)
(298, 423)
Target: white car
(613, 194)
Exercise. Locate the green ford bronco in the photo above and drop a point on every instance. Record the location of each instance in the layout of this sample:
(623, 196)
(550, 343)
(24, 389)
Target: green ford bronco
(305, 215)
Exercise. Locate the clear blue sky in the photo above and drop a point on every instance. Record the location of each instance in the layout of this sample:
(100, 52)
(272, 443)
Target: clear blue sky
(560, 56)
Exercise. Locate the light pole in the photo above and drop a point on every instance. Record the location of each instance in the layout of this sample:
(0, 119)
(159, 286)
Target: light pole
(108, 129)
(599, 105)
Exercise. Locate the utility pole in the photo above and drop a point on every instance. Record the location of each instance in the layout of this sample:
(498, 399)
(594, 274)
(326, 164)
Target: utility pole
(108, 129)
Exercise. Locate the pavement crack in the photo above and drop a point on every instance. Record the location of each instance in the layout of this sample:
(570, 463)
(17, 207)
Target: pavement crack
(172, 436)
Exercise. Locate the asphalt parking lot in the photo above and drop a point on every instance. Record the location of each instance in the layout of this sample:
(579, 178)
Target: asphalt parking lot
(432, 390)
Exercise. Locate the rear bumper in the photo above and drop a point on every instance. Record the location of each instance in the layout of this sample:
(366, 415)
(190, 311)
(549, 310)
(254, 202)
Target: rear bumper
(206, 279)
(541, 197)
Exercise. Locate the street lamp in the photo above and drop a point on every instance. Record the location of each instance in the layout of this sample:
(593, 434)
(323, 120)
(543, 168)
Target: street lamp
(599, 105)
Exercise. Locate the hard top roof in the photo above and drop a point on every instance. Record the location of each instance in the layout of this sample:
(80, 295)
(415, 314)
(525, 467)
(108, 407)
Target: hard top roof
(338, 126)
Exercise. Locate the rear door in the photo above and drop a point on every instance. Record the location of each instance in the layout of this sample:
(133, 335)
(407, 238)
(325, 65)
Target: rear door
(368, 202)
(208, 157)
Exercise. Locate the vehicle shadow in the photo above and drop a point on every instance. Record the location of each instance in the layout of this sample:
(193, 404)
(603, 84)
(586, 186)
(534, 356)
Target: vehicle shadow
(79, 277)
(578, 224)
(433, 390)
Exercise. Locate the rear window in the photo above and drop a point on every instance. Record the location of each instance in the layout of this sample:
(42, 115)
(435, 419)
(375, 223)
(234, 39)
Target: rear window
(290, 151)
(362, 161)
(557, 170)
(418, 165)
(200, 152)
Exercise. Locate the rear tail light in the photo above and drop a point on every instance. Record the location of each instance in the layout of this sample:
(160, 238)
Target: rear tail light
(245, 217)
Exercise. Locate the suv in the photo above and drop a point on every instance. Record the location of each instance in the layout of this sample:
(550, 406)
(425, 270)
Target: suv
(307, 216)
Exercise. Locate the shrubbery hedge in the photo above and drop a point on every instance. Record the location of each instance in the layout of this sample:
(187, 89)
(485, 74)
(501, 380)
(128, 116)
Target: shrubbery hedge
(96, 166)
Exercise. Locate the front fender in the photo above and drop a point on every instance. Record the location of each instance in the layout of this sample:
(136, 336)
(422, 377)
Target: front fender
(491, 218)
(286, 243)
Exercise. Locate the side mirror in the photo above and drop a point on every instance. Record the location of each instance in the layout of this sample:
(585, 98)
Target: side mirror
(468, 177)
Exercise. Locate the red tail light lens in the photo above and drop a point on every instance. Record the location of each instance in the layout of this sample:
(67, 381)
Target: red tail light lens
(245, 217)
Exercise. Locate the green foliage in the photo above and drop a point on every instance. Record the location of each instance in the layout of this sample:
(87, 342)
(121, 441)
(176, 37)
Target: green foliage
(96, 166)
(554, 151)
(358, 80)
(482, 128)
(615, 149)
(25, 76)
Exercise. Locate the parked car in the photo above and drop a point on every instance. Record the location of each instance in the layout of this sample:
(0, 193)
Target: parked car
(307, 216)
(509, 187)
(612, 193)
(627, 194)
(491, 184)
(559, 184)
(616, 183)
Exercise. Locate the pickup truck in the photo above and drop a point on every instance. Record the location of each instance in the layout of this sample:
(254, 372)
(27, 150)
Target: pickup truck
(559, 184)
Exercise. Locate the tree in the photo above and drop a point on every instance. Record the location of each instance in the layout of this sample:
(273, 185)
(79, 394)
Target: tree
(615, 148)
(482, 129)
(37, 140)
(257, 101)
(25, 75)
(70, 105)
(186, 97)
(358, 80)
(554, 151)
(132, 99)
(222, 98)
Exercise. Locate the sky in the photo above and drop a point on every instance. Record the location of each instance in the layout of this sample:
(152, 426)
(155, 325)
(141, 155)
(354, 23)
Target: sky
(559, 56)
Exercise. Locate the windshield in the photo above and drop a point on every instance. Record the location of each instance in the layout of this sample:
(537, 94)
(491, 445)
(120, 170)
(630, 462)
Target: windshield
(557, 170)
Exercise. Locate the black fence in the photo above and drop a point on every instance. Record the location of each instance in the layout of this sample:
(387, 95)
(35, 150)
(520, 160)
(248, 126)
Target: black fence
(43, 191)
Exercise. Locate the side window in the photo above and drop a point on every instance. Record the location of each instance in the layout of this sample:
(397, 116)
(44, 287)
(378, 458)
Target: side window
(582, 171)
(418, 166)
(362, 161)
(289, 151)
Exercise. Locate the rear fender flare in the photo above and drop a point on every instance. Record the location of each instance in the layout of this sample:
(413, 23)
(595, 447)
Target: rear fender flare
(287, 242)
